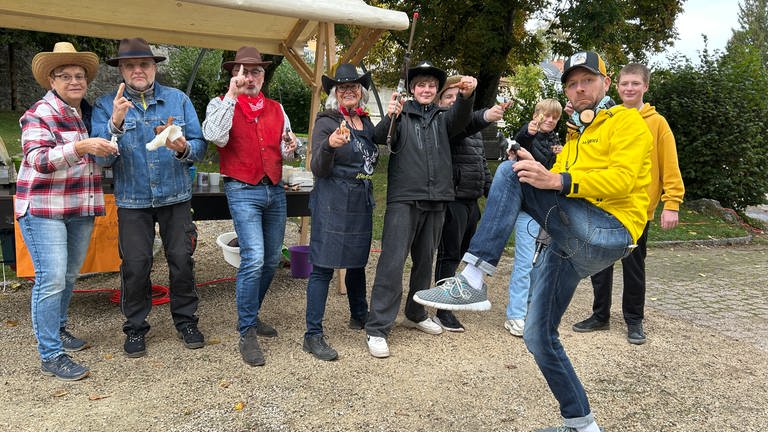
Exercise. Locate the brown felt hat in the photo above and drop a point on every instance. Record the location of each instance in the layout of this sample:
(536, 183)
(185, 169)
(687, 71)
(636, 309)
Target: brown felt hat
(246, 55)
(131, 49)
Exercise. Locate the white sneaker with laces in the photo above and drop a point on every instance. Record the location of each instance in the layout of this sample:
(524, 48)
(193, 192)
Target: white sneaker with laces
(378, 347)
(427, 326)
(515, 326)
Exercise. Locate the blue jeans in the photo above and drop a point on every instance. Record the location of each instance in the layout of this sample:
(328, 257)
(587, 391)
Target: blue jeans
(317, 296)
(526, 230)
(259, 214)
(58, 248)
(585, 240)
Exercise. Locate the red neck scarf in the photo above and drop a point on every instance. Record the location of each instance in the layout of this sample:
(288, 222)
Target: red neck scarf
(251, 106)
(357, 111)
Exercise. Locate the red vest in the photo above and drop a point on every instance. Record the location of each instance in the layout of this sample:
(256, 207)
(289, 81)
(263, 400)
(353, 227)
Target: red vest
(253, 149)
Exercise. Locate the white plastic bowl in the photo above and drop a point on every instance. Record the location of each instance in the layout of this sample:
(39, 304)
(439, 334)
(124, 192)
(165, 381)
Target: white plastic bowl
(231, 254)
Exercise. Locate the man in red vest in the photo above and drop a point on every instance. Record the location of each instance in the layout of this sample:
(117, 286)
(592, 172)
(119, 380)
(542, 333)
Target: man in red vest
(252, 136)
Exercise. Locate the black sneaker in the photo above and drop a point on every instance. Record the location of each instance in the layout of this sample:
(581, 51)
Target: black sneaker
(635, 334)
(447, 320)
(264, 329)
(357, 323)
(63, 368)
(591, 324)
(192, 337)
(134, 345)
(317, 345)
(250, 349)
(70, 342)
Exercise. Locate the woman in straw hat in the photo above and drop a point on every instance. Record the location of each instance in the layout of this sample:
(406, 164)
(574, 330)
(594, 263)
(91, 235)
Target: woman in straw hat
(343, 161)
(58, 194)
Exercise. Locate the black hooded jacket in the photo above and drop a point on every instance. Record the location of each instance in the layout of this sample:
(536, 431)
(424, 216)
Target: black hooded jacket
(420, 166)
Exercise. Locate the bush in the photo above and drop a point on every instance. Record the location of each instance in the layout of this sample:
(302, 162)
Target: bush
(209, 81)
(717, 111)
(289, 89)
(530, 87)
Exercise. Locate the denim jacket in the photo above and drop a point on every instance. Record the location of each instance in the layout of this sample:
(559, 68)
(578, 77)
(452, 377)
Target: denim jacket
(145, 178)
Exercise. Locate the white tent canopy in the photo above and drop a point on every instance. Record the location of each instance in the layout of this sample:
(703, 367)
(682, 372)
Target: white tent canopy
(225, 24)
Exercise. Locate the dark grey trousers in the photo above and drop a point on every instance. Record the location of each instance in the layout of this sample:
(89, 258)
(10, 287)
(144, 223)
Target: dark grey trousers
(408, 227)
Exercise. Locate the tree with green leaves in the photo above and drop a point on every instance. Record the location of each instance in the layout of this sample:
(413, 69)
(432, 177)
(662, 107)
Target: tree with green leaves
(753, 30)
(488, 39)
(717, 110)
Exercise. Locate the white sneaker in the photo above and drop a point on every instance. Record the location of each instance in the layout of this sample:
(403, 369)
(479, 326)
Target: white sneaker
(378, 347)
(427, 326)
(515, 326)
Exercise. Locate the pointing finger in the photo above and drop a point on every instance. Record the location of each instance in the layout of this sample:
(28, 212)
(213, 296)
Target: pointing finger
(120, 91)
(240, 72)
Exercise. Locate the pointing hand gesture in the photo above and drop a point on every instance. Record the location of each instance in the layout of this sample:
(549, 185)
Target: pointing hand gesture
(236, 84)
(120, 106)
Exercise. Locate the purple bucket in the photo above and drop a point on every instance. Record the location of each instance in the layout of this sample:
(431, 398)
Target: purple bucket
(300, 266)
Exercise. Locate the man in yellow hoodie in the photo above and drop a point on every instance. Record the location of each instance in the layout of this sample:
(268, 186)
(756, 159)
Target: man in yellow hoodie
(592, 203)
(666, 185)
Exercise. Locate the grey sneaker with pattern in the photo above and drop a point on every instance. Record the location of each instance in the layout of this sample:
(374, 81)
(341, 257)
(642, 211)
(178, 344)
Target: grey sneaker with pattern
(454, 293)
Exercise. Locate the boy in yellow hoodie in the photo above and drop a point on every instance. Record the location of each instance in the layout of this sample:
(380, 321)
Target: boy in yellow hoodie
(666, 186)
(592, 203)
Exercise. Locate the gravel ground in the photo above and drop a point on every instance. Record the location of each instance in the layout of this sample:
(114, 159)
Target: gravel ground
(690, 376)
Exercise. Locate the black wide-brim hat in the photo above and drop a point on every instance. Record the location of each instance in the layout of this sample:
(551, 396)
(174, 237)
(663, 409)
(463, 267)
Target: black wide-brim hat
(131, 49)
(426, 68)
(346, 73)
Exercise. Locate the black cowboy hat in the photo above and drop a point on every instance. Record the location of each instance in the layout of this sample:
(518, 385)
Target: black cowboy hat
(426, 68)
(346, 73)
(133, 48)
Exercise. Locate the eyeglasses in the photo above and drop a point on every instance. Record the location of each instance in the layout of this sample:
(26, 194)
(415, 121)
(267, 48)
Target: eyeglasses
(131, 65)
(68, 77)
(343, 88)
(253, 72)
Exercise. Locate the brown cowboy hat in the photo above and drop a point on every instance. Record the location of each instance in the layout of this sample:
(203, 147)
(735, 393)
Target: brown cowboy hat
(346, 73)
(131, 49)
(246, 55)
(64, 53)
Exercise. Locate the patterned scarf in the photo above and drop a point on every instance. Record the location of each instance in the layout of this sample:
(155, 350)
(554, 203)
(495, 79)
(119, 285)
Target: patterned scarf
(357, 111)
(251, 106)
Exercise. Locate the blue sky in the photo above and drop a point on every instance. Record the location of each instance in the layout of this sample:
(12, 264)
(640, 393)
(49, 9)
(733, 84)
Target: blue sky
(715, 18)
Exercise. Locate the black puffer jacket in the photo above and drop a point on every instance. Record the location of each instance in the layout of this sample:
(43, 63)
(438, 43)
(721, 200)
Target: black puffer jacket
(539, 145)
(420, 166)
(471, 176)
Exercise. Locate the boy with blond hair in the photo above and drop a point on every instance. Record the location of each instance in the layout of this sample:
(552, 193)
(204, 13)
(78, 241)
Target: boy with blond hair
(540, 138)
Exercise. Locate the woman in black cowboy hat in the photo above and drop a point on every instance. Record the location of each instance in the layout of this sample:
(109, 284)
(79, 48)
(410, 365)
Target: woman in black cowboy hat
(343, 159)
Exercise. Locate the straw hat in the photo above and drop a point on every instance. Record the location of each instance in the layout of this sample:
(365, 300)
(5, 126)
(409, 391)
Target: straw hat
(64, 53)
(246, 55)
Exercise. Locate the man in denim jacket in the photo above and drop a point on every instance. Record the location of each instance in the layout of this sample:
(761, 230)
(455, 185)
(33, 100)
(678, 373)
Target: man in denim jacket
(151, 186)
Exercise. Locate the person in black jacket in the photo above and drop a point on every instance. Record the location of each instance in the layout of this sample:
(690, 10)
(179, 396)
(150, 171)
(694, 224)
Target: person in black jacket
(471, 179)
(540, 138)
(419, 184)
(343, 161)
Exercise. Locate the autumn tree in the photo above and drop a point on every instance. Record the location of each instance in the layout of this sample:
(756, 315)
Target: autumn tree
(489, 39)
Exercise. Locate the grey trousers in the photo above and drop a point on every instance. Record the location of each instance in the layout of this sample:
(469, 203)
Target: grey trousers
(413, 227)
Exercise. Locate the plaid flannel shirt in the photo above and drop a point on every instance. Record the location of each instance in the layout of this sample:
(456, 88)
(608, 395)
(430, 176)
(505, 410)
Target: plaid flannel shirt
(54, 181)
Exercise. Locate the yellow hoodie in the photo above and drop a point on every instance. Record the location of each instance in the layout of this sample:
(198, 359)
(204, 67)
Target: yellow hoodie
(666, 180)
(609, 165)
